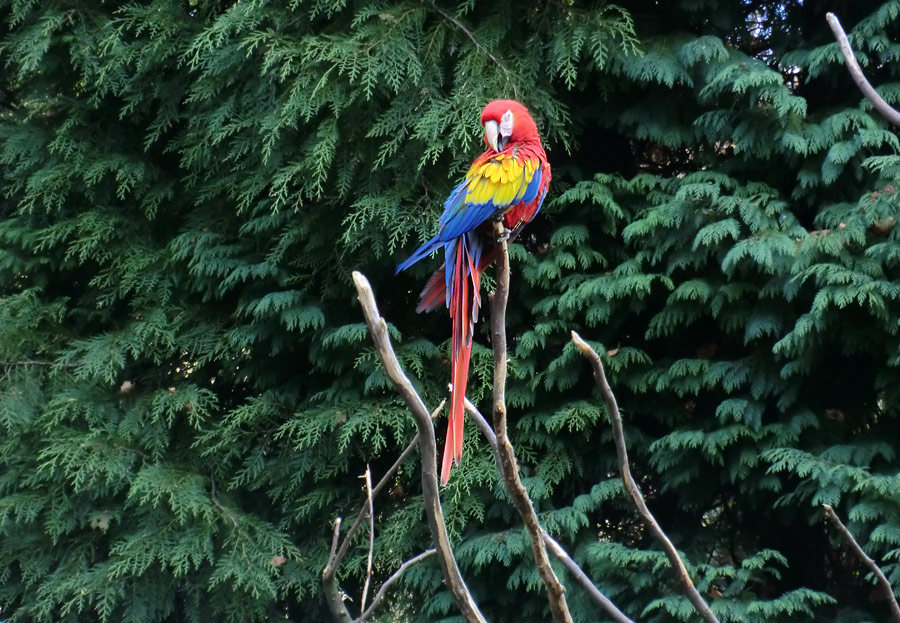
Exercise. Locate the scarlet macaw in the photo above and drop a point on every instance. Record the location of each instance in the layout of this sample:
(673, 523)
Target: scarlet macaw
(508, 181)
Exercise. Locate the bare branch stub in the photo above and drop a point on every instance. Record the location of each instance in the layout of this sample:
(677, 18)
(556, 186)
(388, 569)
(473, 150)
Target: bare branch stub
(887, 111)
(336, 554)
(509, 470)
(866, 560)
(371, 505)
(334, 561)
(632, 488)
(332, 592)
(462, 597)
(333, 555)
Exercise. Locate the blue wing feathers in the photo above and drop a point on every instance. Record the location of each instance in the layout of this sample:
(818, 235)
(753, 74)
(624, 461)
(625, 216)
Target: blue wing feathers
(533, 187)
(454, 203)
(460, 217)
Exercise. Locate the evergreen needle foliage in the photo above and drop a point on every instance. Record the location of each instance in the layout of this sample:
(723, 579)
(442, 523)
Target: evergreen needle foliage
(188, 393)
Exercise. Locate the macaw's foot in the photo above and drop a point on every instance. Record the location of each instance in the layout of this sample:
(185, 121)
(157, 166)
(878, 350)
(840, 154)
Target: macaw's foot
(501, 232)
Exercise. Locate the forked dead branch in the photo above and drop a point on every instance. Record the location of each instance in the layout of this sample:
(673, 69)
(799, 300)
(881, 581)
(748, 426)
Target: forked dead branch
(505, 458)
(333, 595)
(462, 597)
(567, 561)
(459, 590)
(509, 469)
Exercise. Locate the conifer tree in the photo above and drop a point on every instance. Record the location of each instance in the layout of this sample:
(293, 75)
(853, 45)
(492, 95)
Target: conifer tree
(188, 393)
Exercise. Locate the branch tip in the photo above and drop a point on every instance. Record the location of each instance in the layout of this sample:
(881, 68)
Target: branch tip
(583, 346)
(887, 111)
(437, 410)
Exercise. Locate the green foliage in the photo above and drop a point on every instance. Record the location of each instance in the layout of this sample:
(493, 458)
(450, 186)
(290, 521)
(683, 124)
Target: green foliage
(187, 390)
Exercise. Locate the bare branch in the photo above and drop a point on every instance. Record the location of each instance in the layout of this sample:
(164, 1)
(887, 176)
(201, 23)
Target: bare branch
(485, 428)
(332, 557)
(333, 596)
(631, 486)
(581, 577)
(571, 566)
(431, 499)
(889, 112)
(508, 467)
(394, 577)
(365, 593)
(867, 561)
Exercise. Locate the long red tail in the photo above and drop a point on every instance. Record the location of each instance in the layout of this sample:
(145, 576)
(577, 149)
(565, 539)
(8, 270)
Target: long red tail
(435, 291)
(434, 294)
(464, 303)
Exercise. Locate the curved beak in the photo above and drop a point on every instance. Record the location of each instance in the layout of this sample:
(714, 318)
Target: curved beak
(491, 134)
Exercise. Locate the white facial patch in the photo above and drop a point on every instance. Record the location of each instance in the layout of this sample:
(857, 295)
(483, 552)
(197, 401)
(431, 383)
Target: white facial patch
(506, 124)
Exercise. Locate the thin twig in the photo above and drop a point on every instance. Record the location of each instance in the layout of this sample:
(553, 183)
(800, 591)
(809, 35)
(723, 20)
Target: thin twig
(329, 583)
(556, 593)
(471, 36)
(394, 577)
(365, 593)
(215, 501)
(568, 562)
(334, 542)
(335, 562)
(631, 485)
(462, 597)
(867, 561)
(485, 428)
(889, 112)
(31, 362)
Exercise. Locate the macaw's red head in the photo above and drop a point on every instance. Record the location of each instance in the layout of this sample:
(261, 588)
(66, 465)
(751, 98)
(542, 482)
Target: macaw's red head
(506, 122)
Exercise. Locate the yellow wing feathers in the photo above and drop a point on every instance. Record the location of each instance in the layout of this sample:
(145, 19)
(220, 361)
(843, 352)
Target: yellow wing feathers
(502, 180)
